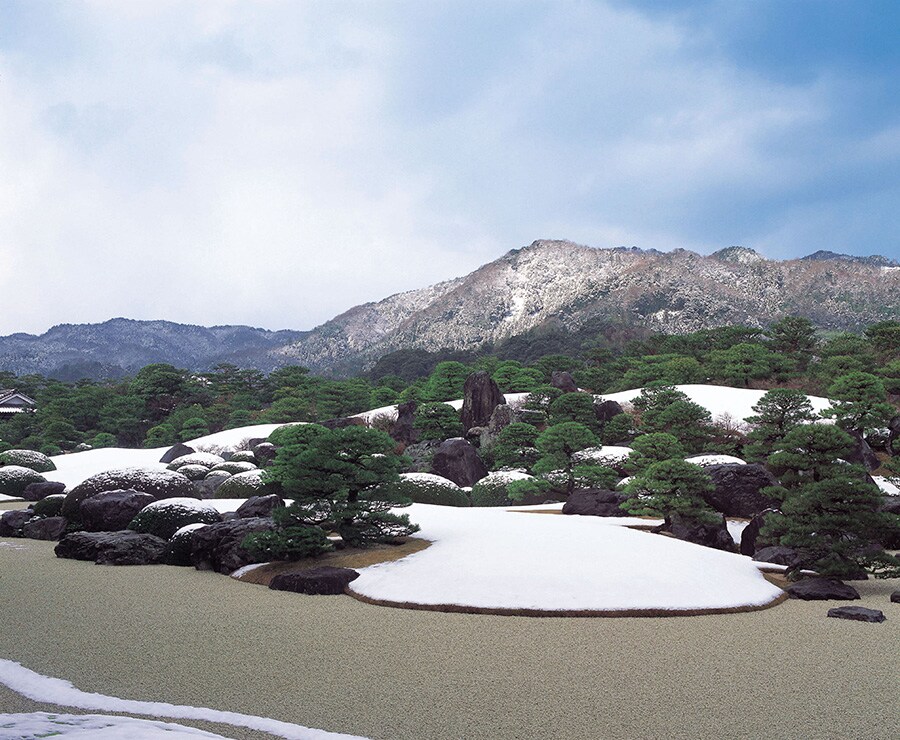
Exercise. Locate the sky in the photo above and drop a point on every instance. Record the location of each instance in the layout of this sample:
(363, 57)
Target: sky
(275, 163)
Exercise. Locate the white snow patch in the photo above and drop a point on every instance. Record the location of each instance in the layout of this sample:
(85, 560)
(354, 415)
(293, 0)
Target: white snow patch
(4, 497)
(42, 688)
(886, 485)
(232, 439)
(190, 527)
(12, 546)
(505, 476)
(437, 480)
(605, 455)
(718, 400)
(93, 726)
(246, 569)
(736, 528)
(181, 503)
(706, 460)
(494, 558)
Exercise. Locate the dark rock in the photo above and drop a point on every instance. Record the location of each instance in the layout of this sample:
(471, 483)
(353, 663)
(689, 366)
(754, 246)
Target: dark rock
(822, 589)
(709, 535)
(256, 506)
(402, 429)
(607, 410)
(113, 548)
(893, 445)
(750, 540)
(458, 461)
(175, 452)
(895, 597)
(563, 380)
(12, 522)
(476, 434)
(857, 613)
(40, 491)
(46, 528)
(862, 453)
(595, 502)
(322, 580)
(501, 417)
(481, 395)
(737, 489)
(777, 555)
(420, 455)
(265, 452)
(112, 511)
(254, 442)
(218, 546)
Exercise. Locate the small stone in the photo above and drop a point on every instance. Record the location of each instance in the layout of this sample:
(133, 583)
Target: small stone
(857, 613)
(895, 597)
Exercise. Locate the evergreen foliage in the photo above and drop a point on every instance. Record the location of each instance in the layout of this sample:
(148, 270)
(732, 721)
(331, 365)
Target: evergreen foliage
(777, 412)
(558, 444)
(437, 421)
(671, 489)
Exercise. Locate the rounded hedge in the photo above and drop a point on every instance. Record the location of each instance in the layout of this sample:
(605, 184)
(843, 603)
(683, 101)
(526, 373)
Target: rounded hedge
(425, 488)
(292, 434)
(49, 506)
(180, 544)
(164, 518)
(206, 459)
(160, 484)
(193, 472)
(15, 478)
(493, 489)
(234, 467)
(241, 485)
(36, 461)
(243, 456)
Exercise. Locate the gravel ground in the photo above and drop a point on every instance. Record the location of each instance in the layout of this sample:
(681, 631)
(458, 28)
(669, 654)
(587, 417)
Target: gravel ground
(159, 633)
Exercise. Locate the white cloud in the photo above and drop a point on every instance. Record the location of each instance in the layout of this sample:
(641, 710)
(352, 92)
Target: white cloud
(276, 163)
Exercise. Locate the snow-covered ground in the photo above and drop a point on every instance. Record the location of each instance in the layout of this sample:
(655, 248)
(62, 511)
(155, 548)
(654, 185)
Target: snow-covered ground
(719, 400)
(46, 689)
(498, 559)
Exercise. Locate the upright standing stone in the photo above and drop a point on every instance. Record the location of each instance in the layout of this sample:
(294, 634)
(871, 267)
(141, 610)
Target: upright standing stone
(481, 395)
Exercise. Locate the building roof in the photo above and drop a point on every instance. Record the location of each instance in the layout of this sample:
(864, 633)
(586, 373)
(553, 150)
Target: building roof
(12, 401)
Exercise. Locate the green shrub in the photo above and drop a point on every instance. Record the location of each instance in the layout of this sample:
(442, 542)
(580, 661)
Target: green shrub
(164, 518)
(234, 467)
(206, 459)
(179, 552)
(158, 483)
(425, 488)
(14, 479)
(242, 485)
(49, 506)
(437, 421)
(493, 490)
(193, 472)
(243, 456)
(295, 434)
(36, 461)
(288, 543)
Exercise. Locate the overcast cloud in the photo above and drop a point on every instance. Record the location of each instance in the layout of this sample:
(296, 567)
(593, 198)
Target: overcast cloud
(275, 163)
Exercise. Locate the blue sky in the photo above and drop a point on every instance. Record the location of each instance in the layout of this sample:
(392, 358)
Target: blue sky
(274, 163)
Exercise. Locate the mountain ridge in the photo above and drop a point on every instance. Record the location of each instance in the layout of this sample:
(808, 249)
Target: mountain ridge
(546, 282)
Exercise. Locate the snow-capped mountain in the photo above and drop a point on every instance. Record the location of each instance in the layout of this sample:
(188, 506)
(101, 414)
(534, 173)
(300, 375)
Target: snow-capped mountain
(566, 283)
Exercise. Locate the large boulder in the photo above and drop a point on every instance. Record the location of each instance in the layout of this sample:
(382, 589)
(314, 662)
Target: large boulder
(778, 555)
(501, 417)
(158, 483)
(39, 491)
(595, 502)
(219, 547)
(257, 506)
(113, 548)
(112, 511)
(606, 410)
(822, 589)
(12, 522)
(176, 451)
(264, 453)
(323, 580)
(737, 489)
(402, 429)
(457, 460)
(481, 395)
(45, 528)
(713, 535)
(564, 381)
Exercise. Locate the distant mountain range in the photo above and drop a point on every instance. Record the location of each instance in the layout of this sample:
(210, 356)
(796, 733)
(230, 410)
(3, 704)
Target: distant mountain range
(546, 283)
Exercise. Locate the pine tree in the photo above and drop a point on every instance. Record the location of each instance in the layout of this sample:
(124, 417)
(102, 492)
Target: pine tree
(777, 412)
(672, 489)
(653, 448)
(860, 402)
(558, 445)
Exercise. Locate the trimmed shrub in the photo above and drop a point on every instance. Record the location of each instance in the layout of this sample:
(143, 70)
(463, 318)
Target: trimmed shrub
(293, 434)
(493, 489)
(179, 552)
(158, 483)
(206, 459)
(243, 456)
(234, 467)
(425, 488)
(36, 461)
(242, 485)
(164, 518)
(14, 479)
(194, 472)
(49, 506)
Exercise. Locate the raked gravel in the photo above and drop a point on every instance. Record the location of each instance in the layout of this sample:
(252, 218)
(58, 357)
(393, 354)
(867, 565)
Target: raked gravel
(159, 633)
